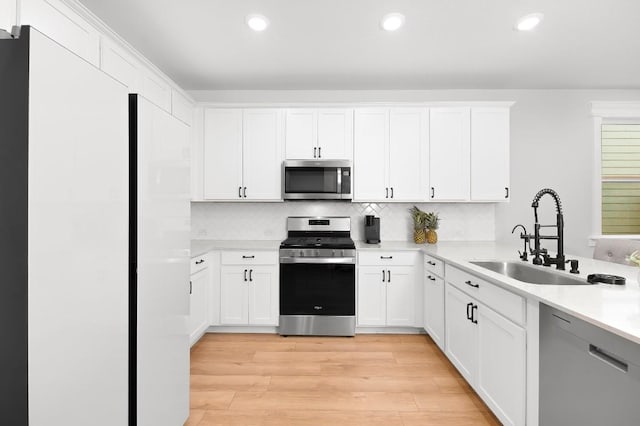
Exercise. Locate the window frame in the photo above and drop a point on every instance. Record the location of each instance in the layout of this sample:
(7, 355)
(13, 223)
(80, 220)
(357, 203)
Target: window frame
(607, 113)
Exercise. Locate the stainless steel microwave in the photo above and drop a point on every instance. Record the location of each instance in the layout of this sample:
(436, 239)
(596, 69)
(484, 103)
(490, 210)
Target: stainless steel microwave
(316, 180)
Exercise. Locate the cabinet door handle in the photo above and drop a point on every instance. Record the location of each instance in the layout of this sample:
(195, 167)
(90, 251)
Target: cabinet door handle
(386, 193)
(474, 308)
(319, 152)
(248, 257)
(239, 192)
(251, 275)
(386, 257)
(314, 152)
(199, 262)
(388, 276)
(469, 317)
(506, 190)
(433, 192)
(431, 278)
(245, 275)
(244, 192)
(392, 192)
(469, 283)
(190, 287)
(383, 280)
(431, 263)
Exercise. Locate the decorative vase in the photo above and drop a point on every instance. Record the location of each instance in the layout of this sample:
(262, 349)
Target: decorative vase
(419, 236)
(432, 236)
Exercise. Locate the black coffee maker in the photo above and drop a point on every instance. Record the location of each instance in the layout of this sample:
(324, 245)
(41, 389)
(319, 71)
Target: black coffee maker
(372, 229)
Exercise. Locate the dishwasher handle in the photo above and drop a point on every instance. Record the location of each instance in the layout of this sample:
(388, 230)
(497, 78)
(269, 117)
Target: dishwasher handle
(608, 358)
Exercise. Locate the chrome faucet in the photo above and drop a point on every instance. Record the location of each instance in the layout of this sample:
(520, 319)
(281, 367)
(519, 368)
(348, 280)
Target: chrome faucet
(537, 251)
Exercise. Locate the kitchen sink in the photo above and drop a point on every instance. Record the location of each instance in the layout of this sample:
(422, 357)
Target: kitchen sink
(531, 274)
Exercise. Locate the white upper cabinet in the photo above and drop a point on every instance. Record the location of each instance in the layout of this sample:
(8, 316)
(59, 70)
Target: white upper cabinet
(262, 154)
(58, 21)
(121, 65)
(181, 107)
(449, 162)
(8, 15)
(371, 145)
(223, 154)
(408, 154)
(242, 154)
(155, 89)
(319, 133)
(391, 154)
(490, 154)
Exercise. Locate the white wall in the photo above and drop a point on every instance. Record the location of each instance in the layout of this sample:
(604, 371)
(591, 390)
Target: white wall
(267, 221)
(551, 146)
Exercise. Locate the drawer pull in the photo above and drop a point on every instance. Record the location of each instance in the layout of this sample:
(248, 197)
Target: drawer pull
(469, 283)
(248, 257)
(199, 262)
(431, 263)
(431, 278)
(386, 257)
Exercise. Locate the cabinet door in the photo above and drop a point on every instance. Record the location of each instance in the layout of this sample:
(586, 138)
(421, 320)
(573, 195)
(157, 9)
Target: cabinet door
(262, 154)
(234, 295)
(263, 295)
(401, 296)
(460, 333)
(501, 366)
(335, 134)
(198, 312)
(372, 297)
(489, 154)
(371, 154)
(59, 22)
(408, 154)
(434, 308)
(449, 153)
(301, 134)
(222, 154)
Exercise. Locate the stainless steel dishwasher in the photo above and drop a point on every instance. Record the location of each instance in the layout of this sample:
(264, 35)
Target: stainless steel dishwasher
(588, 376)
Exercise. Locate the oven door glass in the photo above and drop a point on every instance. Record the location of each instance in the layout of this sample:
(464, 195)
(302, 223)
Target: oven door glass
(311, 180)
(317, 289)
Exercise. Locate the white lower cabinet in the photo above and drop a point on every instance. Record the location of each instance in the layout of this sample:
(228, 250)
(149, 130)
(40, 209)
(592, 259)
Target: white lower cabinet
(198, 298)
(434, 299)
(489, 351)
(389, 290)
(249, 292)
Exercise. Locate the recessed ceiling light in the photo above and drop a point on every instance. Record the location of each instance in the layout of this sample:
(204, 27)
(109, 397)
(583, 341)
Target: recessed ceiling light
(257, 22)
(529, 22)
(392, 21)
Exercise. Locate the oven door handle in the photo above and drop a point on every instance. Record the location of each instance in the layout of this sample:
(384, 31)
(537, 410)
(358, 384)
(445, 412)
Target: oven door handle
(325, 260)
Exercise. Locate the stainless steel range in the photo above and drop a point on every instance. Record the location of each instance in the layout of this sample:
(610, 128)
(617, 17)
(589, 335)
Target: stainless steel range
(318, 277)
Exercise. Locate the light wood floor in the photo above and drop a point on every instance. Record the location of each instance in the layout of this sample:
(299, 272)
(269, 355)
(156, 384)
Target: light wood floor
(259, 379)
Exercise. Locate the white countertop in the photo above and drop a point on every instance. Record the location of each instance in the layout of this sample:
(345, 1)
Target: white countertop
(611, 307)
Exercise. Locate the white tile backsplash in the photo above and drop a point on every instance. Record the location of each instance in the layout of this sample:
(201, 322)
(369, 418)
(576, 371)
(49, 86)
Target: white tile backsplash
(267, 221)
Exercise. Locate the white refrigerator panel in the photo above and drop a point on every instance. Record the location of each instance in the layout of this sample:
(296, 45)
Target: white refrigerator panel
(78, 239)
(163, 214)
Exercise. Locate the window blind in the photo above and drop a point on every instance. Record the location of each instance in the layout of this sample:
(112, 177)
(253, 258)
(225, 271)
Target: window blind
(621, 179)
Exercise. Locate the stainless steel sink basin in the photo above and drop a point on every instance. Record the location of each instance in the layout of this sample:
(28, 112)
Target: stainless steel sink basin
(531, 274)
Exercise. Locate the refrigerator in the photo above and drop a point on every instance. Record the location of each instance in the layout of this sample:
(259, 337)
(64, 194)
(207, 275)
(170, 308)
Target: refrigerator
(94, 242)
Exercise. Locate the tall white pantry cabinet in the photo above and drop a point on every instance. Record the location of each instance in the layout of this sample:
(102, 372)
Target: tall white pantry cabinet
(89, 296)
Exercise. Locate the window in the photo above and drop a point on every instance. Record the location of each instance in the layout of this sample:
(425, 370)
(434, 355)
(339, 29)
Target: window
(620, 173)
(616, 178)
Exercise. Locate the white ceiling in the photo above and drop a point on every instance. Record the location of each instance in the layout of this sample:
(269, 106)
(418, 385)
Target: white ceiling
(338, 44)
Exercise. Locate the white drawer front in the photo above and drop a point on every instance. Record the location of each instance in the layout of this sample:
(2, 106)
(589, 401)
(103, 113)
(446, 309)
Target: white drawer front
(249, 258)
(393, 258)
(433, 265)
(199, 263)
(500, 300)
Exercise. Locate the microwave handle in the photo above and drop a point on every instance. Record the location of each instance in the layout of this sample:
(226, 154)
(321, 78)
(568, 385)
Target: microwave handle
(339, 171)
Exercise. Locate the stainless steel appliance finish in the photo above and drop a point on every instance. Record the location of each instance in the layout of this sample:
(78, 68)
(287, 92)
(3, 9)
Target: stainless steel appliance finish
(530, 274)
(317, 180)
(317, 277)
(588, 376)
